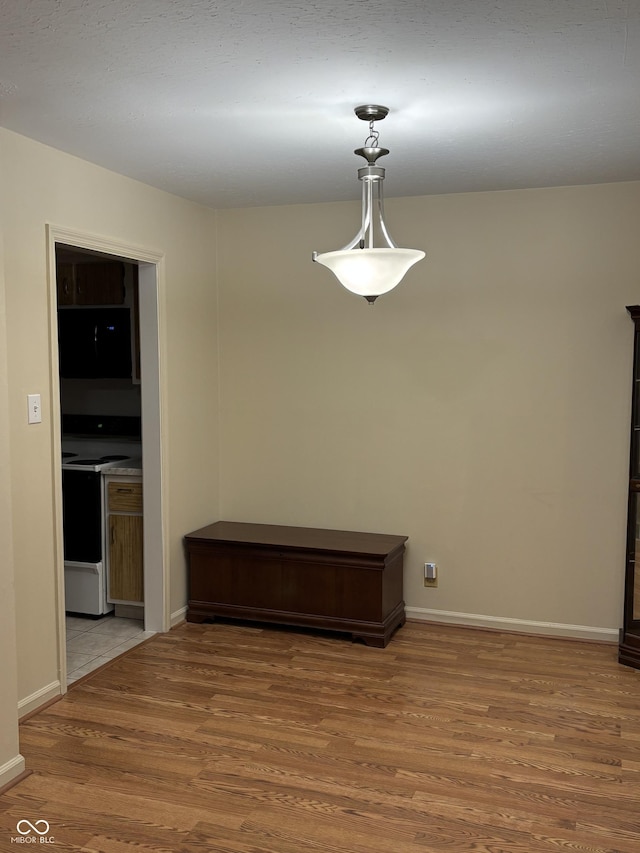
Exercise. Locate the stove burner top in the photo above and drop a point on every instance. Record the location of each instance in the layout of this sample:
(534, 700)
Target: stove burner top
(66, 454)
(95, 460)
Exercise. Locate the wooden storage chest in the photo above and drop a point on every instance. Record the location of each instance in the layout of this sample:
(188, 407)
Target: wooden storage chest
(330, 579)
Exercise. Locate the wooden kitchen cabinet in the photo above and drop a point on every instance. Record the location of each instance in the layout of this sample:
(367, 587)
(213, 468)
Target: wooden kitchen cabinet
(65, 282)
(125, 540)
(100, 283)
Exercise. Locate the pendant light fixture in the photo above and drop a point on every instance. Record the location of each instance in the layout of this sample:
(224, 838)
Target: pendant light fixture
(371, 264)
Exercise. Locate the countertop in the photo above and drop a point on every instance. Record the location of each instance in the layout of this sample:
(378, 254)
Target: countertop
(133, 469)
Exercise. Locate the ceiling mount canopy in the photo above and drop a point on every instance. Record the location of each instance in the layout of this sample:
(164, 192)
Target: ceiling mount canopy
(371, 264)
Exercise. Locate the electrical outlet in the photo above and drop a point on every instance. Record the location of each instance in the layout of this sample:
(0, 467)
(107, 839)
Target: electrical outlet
(430, 575)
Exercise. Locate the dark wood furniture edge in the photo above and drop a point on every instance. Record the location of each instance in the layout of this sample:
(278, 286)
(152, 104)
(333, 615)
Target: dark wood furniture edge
(629, 649)
(205, 536)
(371, 633)
(629, 643)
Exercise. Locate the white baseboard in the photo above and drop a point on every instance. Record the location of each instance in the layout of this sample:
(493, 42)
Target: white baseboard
(178, 616)
(11, 769)
(520, 626)
(39, 698)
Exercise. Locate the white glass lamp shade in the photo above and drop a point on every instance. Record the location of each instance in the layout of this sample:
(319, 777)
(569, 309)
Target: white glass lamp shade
(370, 272)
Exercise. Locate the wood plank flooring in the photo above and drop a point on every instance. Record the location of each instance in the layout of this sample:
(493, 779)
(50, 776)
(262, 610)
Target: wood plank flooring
(243, 739)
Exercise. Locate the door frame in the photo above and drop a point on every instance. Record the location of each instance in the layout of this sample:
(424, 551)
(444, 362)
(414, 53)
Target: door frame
(152, 367)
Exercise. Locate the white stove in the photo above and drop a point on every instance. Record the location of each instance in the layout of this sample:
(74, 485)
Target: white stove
(98, 454)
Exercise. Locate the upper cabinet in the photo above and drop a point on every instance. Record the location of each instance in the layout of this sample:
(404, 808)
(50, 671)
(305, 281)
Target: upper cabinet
(92, 283)
(98, 335)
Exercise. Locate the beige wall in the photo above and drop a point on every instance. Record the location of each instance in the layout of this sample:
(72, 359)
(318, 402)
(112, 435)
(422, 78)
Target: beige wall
(11, 762)
(482, 408)
(45, 186)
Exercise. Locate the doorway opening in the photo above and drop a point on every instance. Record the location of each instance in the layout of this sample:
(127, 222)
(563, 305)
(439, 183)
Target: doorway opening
(109, 406)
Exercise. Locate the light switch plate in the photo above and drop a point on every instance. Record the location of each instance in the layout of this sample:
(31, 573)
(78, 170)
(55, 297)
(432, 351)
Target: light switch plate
(34, 409)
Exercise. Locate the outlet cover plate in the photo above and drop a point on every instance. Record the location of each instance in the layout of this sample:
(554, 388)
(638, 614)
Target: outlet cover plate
(430, 575)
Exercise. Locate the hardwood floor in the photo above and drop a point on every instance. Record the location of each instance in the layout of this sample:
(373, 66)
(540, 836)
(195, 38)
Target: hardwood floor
(239, 739)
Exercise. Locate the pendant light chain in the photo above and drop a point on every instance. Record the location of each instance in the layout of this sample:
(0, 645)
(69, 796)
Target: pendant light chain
(374, 136)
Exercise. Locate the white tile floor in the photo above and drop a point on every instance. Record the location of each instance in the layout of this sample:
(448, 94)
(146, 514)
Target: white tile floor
(93, 642)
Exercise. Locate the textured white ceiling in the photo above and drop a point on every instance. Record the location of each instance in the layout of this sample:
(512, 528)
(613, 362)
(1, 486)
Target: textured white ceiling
(250, 102)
